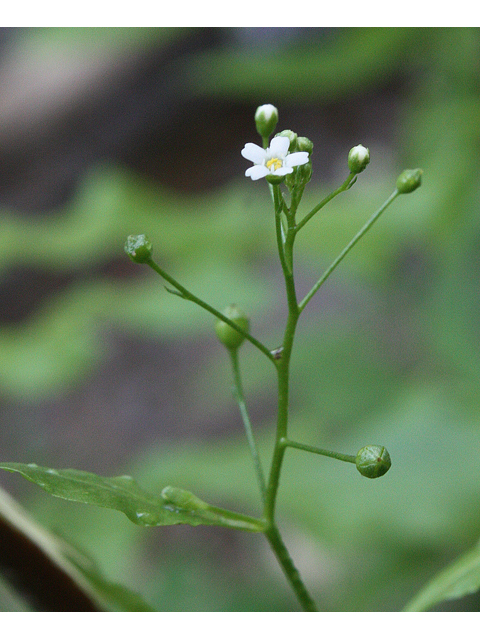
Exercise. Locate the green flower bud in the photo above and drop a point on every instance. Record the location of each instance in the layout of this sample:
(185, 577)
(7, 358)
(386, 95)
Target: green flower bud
(358, 158)
(373, 461)
(304, 173)
(138, 248)
(409, 180)
(266, 119)
(183, 499)
(227, 335)
(300, 176)
(291, 136)
(304, 144)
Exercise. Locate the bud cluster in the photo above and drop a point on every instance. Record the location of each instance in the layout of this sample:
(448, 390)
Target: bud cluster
(302, 174)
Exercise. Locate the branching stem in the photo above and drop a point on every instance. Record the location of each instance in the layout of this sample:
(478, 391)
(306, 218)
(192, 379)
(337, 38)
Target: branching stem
(346, 250)
(187, 295)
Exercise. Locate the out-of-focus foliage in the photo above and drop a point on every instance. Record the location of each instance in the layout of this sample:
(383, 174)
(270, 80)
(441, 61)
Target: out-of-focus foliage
(40, 571)
(460, 578)
(388, 352)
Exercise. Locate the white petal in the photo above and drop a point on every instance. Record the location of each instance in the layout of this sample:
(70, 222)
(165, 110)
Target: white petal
(254, 153)
(279, 147)
(256, 172)
(294, 159)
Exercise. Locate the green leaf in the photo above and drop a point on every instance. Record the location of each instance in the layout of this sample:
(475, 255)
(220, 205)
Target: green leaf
(459, 579)
(123, 494)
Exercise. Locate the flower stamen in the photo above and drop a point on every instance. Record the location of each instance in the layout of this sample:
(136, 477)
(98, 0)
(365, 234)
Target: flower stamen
(276, 162)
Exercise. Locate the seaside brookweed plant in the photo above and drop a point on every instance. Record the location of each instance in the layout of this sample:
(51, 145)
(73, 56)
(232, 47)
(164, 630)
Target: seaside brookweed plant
(285, 161)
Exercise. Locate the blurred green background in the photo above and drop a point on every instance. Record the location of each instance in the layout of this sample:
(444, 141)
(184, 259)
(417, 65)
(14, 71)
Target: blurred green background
(107, 132)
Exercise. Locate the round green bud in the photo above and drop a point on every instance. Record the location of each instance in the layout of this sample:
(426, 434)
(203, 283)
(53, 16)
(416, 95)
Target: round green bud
(266, 119)
(409, 180)
(183, 499)
(304, 144)
(138, 248)
(358, 158)
(227, 335)
(373, 461)
(291, 136)
(304, 173)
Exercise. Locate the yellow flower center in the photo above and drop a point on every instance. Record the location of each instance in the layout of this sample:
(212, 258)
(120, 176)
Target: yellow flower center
(277, 164)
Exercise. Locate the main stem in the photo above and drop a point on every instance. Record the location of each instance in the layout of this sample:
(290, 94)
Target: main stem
(283, 380)
(289, 569)
(285, 247)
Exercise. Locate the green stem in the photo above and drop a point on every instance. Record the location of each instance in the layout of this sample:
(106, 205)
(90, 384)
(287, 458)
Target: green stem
(279, 230)
(283, 373)
(285, 249)
(346, 185)
(289, 569)
(345, 457)
(233, 520)
(192, 298)
(240, 398)
(346, 250)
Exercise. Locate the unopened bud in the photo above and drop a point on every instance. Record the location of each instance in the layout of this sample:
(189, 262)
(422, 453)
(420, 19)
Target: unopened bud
(304, 144)
(373, 461)
(358, 158)
(292, 136)
(266, 119)
(227, 335)
(138, 248)
(409, 180)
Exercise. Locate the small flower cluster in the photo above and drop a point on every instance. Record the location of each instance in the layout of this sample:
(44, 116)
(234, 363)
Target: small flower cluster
(288, 154)
(281, 157)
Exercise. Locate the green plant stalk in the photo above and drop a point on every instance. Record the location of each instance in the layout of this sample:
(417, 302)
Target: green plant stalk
(346, 250)
(283, 375)
(272, 533)
(240, 398)
(283, 364)
(279, 229)
(234, 520)
(285, 248)
(344, 187)
(187, 295)
(345, 457)
(289, 569)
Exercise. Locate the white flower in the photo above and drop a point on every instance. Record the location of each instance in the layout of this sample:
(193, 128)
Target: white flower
(272, 161)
